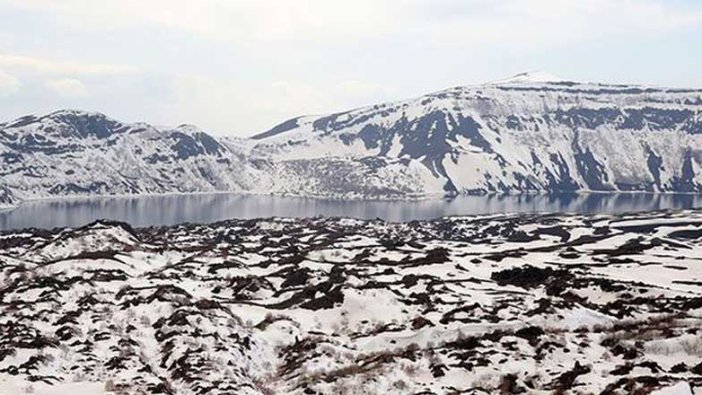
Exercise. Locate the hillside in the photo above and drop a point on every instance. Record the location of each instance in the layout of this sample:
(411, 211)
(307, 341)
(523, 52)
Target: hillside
(530, 133)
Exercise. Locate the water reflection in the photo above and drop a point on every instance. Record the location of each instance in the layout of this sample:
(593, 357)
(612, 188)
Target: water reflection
(165, 210)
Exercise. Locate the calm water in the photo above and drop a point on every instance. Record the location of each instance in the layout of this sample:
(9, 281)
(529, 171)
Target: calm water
(166, 210)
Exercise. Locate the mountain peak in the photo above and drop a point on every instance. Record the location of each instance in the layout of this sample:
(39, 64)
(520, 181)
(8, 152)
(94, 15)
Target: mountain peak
(74, 113)
(530, 77)
(60, 116)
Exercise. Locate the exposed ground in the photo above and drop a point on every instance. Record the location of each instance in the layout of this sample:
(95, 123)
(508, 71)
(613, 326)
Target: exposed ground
(503, 304)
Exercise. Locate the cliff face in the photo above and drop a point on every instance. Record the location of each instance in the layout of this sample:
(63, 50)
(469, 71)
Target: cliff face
(528, 133)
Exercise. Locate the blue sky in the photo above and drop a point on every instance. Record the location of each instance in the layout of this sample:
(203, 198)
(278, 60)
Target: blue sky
(238, 67)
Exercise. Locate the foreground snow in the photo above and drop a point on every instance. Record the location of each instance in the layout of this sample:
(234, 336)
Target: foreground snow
(510, 304)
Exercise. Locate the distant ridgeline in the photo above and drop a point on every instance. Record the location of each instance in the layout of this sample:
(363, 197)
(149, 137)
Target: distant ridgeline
(530, 133)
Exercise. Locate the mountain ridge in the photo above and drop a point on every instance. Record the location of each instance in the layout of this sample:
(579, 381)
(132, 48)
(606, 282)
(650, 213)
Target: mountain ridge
(486, 114)
(529, 133)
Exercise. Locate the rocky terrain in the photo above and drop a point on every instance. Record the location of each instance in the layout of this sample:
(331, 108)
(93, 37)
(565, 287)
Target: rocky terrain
(530, 133)
(550, 304)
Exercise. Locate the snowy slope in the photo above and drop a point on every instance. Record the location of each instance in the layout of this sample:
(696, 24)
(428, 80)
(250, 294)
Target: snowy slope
(68, 153)
(532, 132)
(532, 304)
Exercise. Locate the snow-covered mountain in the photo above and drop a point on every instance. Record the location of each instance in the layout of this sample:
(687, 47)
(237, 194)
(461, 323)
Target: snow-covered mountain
(532, 132)
(68, 153)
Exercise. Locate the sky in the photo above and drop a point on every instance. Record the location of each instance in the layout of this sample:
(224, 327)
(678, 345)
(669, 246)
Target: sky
(238, 67)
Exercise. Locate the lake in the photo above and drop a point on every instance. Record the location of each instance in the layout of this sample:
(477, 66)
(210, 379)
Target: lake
(174, 209)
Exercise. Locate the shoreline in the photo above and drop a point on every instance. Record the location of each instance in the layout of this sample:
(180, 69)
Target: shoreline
(410, 198)
(238, 193)
(260, 205)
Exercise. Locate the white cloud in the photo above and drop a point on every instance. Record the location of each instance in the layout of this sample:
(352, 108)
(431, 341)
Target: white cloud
(235, 20)
(68, 87)
(9, 84)
(533, 24)
(53, 66)
(472, 22)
